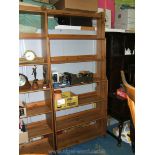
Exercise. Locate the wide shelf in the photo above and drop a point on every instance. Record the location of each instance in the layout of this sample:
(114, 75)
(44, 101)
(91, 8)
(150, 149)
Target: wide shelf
(95, 80)
(73, 13)
(39, 128)
(77, 119)
(78, 135)
(31, 36)
(74, 36)
(30, 90)
(72, 59)
(37, 108)
(38, 147)
(90, 99)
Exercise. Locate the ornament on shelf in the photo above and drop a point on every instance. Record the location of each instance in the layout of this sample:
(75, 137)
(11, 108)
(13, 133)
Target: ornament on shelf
(35, 81)
(45, 82)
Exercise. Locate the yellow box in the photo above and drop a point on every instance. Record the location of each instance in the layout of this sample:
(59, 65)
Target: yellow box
(68, 100)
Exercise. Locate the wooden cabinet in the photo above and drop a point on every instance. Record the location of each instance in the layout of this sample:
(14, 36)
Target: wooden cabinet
(61, 132)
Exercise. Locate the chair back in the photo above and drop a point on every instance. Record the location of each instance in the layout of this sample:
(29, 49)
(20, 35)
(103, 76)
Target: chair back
(130, 90)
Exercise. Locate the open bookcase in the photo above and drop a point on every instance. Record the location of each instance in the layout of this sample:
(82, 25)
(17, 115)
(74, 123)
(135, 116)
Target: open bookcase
(64, 131)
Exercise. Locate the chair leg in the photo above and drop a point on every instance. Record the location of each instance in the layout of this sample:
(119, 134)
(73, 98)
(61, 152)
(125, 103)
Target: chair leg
(120, 126)
(132, 136)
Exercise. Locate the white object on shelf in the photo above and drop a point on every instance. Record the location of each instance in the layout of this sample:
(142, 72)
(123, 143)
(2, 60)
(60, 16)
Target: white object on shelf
(108, 18)
(127, 51)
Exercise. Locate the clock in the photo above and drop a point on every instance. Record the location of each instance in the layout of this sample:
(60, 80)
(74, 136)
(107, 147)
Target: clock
(29, 55)
(23, 82)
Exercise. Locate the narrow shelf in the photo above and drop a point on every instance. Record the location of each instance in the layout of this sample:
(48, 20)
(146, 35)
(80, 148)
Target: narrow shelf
(73, 13)
(95, 80)
(77, 119)
(31, 36)
(74, 36)
(39, 128)
(37, 108)
(90, 99)
(78, 136)
(38, 147)
(70, 59)
(33, 90)
(32, 63)
(31, 9)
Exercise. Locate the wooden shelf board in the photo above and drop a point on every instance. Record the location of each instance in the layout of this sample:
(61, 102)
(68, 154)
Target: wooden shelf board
(31, 36)
(31, 9)
(84, 134)
(33, 90)
(37, 108)
(70, 59)
(77, 119)
(38, 147)
(90, 99)
(96, 80)
(39, 128)
(74, 36)
(73, 13)
(32, 63)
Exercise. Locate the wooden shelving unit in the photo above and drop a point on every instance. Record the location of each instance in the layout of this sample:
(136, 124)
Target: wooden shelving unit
(73, 129)
(43, 129)
(64, 131)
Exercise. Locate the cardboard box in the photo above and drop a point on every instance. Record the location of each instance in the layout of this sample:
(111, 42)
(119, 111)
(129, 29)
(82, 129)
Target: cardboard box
(125, 19)
(84, 5)
(23, 137)
(68, 100)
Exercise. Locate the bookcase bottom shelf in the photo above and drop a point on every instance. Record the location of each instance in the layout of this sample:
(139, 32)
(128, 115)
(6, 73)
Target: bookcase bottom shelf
(38, 147)
(81, 134)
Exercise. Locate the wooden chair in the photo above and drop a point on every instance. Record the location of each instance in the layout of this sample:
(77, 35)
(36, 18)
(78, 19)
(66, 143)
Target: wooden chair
(130, 90)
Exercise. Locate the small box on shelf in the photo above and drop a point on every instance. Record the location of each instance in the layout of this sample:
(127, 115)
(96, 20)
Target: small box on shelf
(67, 100)
(84, 5)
